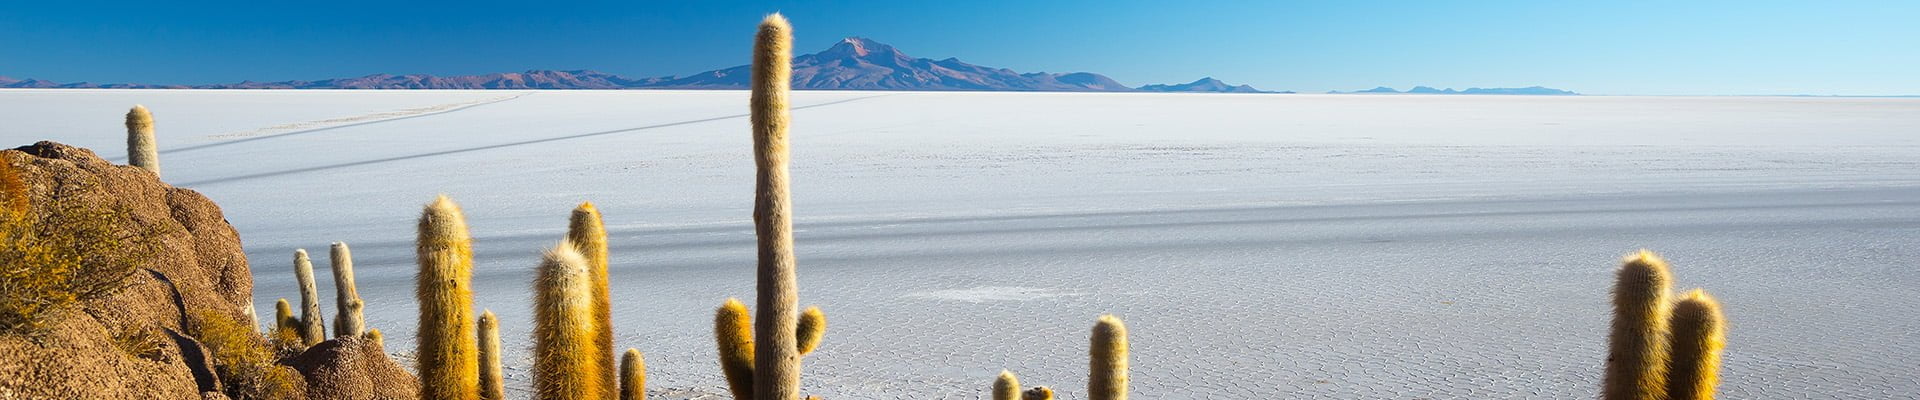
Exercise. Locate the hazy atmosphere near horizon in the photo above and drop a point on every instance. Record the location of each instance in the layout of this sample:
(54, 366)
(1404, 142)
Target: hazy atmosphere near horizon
(984, 200)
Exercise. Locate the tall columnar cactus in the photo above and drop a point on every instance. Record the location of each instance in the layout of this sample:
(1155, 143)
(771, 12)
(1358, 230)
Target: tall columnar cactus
(1006, 386)
(633, 376)
(142, 150)
(565, 354)
(1107, 376)
(492, 382)
(1699, 332)
(1637, 347)
(1037, 393)
(448, 364)
(733, 337)
(313, 327)
(587, 232)
(347, 318)
(777, 365)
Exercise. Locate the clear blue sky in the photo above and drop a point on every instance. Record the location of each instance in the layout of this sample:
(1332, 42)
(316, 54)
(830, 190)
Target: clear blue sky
(1603, 47)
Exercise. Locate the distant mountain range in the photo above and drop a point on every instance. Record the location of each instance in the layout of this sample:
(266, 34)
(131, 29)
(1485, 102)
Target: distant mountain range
(853, 64)
(1530, 90)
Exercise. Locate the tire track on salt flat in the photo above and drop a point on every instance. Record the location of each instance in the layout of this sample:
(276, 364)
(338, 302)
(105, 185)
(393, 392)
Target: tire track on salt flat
(496, 146)
(328, 128)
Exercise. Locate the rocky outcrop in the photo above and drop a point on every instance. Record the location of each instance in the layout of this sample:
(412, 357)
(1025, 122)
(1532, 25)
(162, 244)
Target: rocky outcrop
(352, 368)
(139, 342)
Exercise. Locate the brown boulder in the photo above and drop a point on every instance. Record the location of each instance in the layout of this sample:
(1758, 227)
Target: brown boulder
(144, 340)
(198, 266)
(353, 368)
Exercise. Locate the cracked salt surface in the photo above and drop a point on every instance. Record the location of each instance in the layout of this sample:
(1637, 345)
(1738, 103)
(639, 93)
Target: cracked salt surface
(1258, 246)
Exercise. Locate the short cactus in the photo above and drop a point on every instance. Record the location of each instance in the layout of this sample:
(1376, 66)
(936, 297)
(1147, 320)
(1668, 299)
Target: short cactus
(1006, 386)
(283, 315)
(373, 335)
(633, 376)
(1038, 393)
(142, 149)
(587, 232)
(347, 318)
(448, 362)
(811, 327)
(565, 354)
(1699, 332)
(492, 382)
(733, 336)
(313, 327)
(1107, 377)
(1637, 347)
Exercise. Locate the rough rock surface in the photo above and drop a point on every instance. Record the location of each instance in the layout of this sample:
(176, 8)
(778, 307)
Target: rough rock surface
(353, 368)
(199, 266)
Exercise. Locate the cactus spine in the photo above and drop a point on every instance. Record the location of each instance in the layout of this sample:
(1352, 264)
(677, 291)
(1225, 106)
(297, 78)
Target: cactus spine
(1637, 353)
(313, 329)
(589, 234)
(733, 337)
(566, 360)
(448, 364)
(633, 376)
(492, 385)
(1006, 386)
(347, 318)
(1038, 393)
(142, 149)
(1699, 332)
(1107, 377)
(777, 368)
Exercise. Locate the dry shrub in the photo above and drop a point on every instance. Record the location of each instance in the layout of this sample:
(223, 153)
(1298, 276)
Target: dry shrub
(71, 251)
(243, 360)
(143, 342)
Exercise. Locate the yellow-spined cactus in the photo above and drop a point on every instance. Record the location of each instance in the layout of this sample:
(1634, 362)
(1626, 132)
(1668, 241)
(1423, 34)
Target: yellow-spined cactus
(733, 338)
(142, 149)
(777, 367)
(1637, 346)
(633, 376)
(1006, 386)
(448, 362)
(565, 351)
(373, 335)
(313, 327)
(493, 385)
(1107, 376)
(1698, 334)
(811, 327)
(283, 317)
(347, 318)
(1038, 393)
(589, 233)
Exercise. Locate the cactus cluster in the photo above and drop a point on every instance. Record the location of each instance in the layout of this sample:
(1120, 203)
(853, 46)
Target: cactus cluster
(1106, 372)
(734, 341)
(1660, 349)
